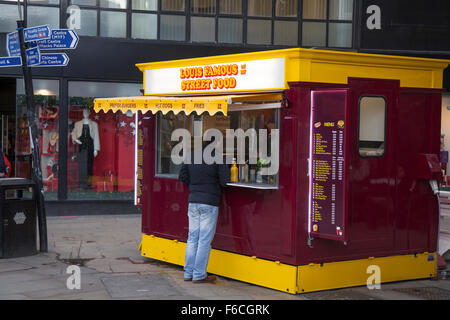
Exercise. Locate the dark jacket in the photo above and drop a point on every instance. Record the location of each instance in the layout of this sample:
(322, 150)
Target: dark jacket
(205, 182)
(2, 163)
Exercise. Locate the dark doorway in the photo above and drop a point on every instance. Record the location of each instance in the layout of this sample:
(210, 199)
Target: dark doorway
(8, 119)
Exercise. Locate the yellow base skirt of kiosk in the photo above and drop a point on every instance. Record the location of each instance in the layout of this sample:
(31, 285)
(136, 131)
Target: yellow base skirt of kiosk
(298, 279)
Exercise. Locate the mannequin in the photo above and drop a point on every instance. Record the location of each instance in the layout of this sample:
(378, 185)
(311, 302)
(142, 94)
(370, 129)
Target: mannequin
(85, 134)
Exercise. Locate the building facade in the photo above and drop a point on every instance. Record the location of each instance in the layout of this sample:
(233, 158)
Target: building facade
(117, 34)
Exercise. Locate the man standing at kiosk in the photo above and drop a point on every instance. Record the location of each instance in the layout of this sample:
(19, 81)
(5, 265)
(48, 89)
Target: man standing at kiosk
(205, 182)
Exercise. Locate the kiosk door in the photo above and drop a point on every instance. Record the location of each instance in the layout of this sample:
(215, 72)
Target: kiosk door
(371, 169)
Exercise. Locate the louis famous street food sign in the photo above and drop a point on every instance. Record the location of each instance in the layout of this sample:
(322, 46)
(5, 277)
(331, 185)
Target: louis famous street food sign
(243, 76)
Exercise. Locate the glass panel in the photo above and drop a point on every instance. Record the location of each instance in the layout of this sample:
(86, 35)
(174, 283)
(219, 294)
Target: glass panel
(10, 14)
(38, 16)
(230, 30)
(203, 29)
(100, 159)
(286, 8)
(259, 31)
(203, 6)
(85, 2)
(372, 126)
(144, 26)
(145, 5)
(43, 1)
(263, 119)
(230, 6)
(286, 33)
(113, 4)
(46, 99)
(314, 9)
(341, 9)
(88, 23)
(113, 24)
(340, 35)
(173, 28)
(165, 126)
(259, 8)
(172, 5)
(314, 34)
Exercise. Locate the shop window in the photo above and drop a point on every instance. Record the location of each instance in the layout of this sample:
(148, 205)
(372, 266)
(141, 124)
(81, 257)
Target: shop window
(172, 5)
(173, 27)
(259, 31)
(144, 26)
(46, 100)
(259, 8)
(286, 8)
(285, 33)
(372, 126)
(37, 16)
(230, 30)
(85, 2)
(230, 6)
(10, 15)
(100, 146)
(253, 161)
(43, 1)
(113, 24)
(203, 29)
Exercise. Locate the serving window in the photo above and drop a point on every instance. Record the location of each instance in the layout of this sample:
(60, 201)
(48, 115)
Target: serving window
(372, 126)
(255, 150)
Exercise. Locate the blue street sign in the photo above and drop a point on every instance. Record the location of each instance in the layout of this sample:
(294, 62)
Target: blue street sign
(53, 60)
(10, 61)
(13, 44)
(33, 57)
(60, 39)
(36, 33)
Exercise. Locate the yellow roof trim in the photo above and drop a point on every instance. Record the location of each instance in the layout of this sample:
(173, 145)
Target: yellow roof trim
(211, 105)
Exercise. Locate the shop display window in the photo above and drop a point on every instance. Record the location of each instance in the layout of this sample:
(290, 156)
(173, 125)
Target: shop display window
(249, 164)
(372, 126)
(46, 100)
(100, 146)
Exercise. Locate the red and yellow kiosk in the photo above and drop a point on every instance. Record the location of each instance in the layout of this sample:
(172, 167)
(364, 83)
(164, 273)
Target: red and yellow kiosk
(358, 146)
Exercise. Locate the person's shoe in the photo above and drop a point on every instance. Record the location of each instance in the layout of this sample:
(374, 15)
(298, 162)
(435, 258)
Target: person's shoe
(187, 279)
(207, 279)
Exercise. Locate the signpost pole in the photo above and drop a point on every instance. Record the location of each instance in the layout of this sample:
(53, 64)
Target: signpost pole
(37, 173)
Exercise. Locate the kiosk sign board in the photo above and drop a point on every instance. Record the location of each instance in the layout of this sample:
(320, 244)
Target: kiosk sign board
(242, 76)
(327, 191)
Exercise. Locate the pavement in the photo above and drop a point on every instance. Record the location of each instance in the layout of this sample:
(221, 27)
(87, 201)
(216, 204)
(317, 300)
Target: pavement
(105, 248)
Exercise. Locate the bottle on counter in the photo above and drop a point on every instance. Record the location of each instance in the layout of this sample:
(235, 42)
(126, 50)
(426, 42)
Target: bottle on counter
(234, 172)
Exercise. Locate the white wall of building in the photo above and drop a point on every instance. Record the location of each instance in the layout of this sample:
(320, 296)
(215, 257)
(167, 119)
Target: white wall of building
(445, 123)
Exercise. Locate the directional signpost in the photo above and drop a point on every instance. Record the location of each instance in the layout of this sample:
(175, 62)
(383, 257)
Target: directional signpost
(10, 61)
(60, 39)
(33, 57)
(24, 49)
(36, 33)
(53, 60)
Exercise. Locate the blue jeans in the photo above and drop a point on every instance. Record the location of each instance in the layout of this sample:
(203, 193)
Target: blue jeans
(202, 227)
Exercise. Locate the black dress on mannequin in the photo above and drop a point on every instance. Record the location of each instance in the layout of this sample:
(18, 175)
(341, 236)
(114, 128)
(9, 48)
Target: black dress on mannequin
(85, 158)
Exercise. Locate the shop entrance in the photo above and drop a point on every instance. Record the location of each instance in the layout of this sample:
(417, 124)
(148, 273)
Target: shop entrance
(8, 119)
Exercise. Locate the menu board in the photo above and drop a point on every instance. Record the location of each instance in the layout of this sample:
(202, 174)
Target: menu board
(327, 185)
(139, 160)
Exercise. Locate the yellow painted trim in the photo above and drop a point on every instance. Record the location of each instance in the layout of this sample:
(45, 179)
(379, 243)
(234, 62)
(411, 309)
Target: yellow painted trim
(312, 65)
(295, 279)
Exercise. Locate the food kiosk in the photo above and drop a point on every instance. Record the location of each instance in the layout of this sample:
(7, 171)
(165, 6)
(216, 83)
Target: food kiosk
(353, 200)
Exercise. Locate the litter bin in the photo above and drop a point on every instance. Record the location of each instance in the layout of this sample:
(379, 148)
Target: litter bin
(18, 206)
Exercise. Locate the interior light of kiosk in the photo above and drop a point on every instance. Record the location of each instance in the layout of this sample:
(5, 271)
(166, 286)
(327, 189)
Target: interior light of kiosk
(136, 173)
(310, 162)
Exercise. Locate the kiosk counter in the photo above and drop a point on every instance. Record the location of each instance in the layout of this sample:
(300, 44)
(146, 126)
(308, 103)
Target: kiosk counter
(357, 138)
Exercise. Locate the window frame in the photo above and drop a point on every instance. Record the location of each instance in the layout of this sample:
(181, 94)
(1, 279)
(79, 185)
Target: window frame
(359, 124)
